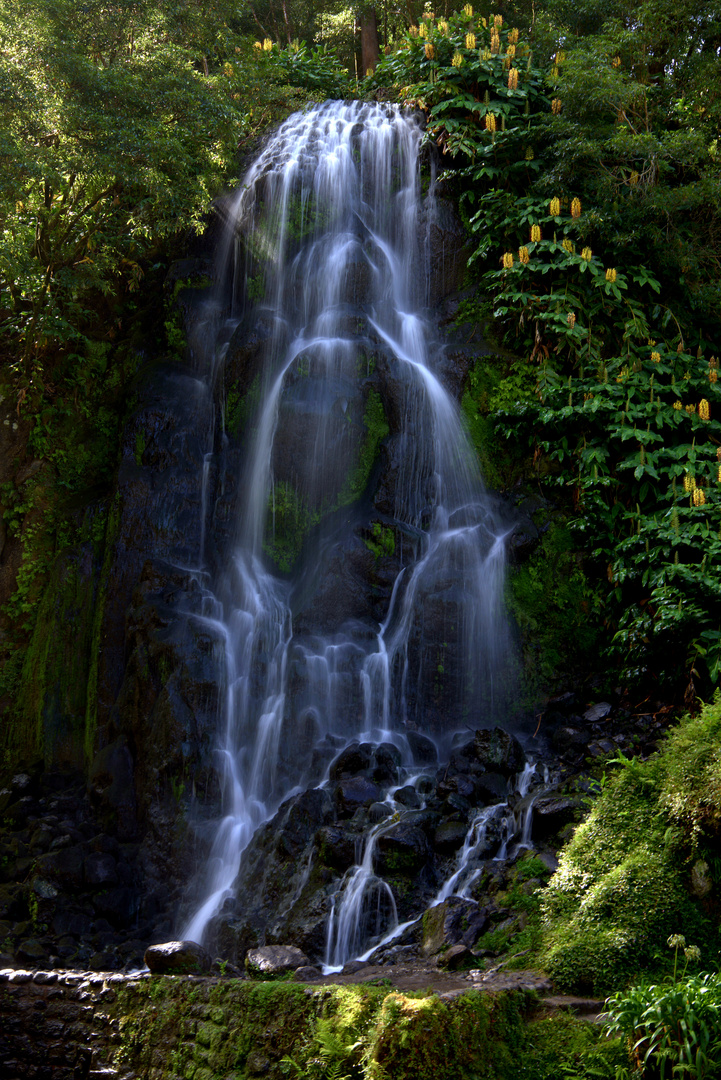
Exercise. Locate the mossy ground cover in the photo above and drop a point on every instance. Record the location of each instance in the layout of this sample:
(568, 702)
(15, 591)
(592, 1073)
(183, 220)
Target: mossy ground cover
(206, 1029)
(642, 867)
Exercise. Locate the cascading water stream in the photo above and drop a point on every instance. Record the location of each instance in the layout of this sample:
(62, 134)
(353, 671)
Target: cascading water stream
(327, 234)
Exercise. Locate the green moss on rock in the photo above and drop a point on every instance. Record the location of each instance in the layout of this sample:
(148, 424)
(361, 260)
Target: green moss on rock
(629, 878)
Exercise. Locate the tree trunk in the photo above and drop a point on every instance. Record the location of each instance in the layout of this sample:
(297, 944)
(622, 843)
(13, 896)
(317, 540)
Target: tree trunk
(369, 40)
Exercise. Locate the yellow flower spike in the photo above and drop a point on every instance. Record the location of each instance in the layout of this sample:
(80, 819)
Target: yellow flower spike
(486, 54)
(586, 254)
(535, 233)
(556, 106)
(712, 376)
(495, 42)
(699, 498)
(689, 482)
(576, 208)
(507, 62)
(555, 207)
(511, 51)
(267, 44)
(554, 72)
(571, 319)
(490, 122)
(529, 154)
(468, 10)
(422, 30)
(429, 50)
(677, 405)
(513, 36)
(484, 24)
(443, 26)
(690, 409)
(569, 246)
(611, 277)
(616, 62)
(413, 31)
(656, 357)
(718, 477)
(713, 362)
(457, 59)
(634, 178)
(704, 410)
(508, 260)
(257, 45)
(523, 255)
(470, 40)
(513, 79)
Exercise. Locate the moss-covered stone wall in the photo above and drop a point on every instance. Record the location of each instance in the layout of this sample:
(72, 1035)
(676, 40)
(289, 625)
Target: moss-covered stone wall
(65, 1025)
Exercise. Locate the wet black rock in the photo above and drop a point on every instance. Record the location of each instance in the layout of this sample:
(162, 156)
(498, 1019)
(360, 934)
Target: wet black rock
(449, 836)
(422, 748)
(338, 847)
(354, 792)
(499, 751)
(355, 758)
(551, 813)
(402, 849)
(101, 870)
(407, 796)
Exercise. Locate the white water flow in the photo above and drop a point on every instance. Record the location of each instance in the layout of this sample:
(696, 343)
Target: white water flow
(326, 244)
(490, 833)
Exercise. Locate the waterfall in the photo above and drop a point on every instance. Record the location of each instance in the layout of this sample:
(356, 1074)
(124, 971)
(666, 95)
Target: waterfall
(326, 250)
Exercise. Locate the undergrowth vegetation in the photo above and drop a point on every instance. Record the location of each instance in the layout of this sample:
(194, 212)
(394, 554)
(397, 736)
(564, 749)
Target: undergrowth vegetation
(643, 866)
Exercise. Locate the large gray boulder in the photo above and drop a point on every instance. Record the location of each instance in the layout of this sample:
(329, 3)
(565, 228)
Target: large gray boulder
(275, 959)
(178, 958)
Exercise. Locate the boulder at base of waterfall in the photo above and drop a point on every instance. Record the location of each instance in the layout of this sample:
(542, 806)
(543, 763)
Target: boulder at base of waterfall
(275, 959)
(178, 958)
(551, 813)
(458, 956)
(446, 923)
(499, 751)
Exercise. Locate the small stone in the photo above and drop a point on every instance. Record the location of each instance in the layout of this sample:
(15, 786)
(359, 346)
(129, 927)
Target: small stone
(178, 958)
(275, 959)
(45, 978)
(597, 712)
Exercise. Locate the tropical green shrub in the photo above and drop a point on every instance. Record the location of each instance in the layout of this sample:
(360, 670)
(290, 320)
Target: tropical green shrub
(482, 93)
(671, 1029)
(591, 183)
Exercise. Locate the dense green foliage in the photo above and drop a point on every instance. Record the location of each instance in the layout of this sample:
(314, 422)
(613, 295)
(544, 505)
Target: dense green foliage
(583, 147)
(671, 1029)
(642, 866)
(120, 123)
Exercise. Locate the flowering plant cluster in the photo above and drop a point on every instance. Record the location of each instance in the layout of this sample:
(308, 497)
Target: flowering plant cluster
(477, 82)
